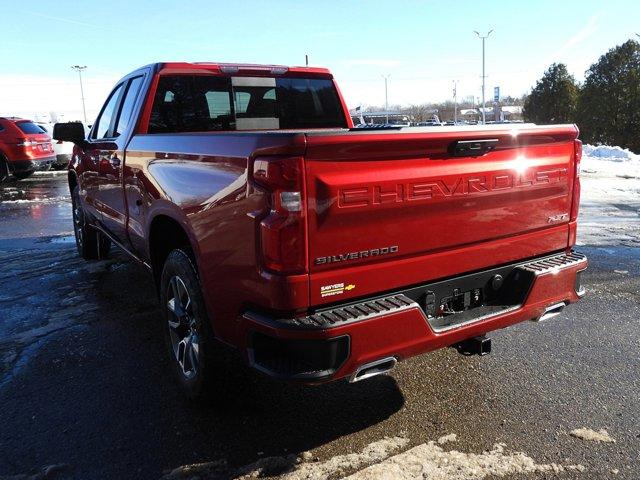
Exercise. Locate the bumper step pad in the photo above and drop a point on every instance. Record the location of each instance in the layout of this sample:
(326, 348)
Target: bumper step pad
(356, 312)
(556, 262)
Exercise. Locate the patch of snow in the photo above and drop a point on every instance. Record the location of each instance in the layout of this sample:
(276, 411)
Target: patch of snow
(51, 173)
(293, 467)
(610, 197)
(610, 152)
(452, 437)
(372, 453)
(430, 461)
(46, 200)
(610, 161)
(592, 435)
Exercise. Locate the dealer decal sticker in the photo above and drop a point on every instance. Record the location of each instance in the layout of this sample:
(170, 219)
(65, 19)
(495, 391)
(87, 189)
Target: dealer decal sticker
(335, 289)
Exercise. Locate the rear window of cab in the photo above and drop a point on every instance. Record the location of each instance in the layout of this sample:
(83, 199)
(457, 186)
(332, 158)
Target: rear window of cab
(201, 103)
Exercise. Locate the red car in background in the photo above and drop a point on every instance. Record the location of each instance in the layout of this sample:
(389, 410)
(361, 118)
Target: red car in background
(24, 148)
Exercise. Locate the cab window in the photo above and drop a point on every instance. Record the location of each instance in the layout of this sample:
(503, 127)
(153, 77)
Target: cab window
(127, 106)
(101, 128)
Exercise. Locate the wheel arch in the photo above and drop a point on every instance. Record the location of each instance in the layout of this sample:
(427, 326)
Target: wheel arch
(165, 234)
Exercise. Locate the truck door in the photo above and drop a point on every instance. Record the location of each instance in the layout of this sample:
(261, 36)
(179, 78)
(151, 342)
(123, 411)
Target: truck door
(112, 203)
(100, 147)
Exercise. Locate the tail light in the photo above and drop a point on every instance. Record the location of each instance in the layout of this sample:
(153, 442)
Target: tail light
(283, 230)
(577, 155)
(26, 142)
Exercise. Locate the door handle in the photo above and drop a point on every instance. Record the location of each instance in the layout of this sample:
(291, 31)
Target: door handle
(472, 148)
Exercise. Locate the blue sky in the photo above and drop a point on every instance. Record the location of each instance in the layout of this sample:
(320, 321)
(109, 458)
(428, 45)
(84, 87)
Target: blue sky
(424, 45)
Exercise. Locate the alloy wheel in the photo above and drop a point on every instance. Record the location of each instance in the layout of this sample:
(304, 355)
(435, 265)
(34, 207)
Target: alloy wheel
(183, 328)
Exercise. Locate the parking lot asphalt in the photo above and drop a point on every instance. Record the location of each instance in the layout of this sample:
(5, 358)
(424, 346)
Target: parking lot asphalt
(86, 392)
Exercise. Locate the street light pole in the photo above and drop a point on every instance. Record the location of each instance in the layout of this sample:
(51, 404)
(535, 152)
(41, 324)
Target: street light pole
(79, 69)
(455, 102)
(483, 37)
(386, 97)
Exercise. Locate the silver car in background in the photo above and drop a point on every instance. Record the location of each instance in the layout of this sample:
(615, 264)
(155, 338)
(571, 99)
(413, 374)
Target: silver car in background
(62, 150)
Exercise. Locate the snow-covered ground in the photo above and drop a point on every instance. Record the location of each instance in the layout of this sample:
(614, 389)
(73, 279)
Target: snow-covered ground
(610, 204)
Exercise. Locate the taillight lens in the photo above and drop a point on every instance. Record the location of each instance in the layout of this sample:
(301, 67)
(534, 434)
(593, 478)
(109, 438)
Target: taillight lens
(577, 155)
(26, 142)
(283, 230)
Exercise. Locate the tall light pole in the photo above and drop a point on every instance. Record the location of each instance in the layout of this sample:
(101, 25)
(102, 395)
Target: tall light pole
(455, 102)
(386, 97)
(483, 37)
(79, 69)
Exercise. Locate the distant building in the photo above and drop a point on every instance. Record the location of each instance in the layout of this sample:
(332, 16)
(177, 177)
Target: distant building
(505, 113)
(393, 117)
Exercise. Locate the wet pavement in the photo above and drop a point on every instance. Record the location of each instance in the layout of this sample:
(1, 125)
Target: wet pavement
(35, 207)
(85, 386)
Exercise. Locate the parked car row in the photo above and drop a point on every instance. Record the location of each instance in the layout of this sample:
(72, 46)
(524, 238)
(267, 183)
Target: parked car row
(433, 123)
(26, 147)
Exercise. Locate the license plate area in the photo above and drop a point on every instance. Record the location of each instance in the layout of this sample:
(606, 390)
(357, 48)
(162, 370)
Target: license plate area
(473, 297)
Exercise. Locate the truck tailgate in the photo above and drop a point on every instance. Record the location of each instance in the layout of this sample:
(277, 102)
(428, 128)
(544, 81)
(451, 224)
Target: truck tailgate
(388, 209)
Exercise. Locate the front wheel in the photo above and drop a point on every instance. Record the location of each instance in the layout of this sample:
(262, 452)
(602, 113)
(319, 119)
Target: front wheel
(91, 244)
(188, 334)
(4, 169)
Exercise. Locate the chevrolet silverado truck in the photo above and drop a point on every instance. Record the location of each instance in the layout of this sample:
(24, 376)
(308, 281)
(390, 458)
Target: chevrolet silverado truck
(317, 250)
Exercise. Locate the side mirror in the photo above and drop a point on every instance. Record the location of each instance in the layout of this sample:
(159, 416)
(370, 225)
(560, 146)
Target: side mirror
(69, 132)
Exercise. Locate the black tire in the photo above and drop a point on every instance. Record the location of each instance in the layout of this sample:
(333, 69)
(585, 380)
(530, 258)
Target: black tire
(186, 324)
(4, 169)
(23, 175)
(91, 244)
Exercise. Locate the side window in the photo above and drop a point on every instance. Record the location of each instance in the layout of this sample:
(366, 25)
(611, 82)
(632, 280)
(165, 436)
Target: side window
(101, 127)
(192, 103)
(127, 105)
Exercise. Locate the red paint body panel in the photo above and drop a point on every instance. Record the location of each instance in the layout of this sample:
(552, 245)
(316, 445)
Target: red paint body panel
(361, 191)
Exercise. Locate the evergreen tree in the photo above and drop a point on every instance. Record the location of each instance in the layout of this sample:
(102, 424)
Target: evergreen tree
(554, 98)
(609, 106)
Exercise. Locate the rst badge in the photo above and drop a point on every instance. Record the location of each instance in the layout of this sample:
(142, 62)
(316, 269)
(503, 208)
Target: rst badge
(562, 217)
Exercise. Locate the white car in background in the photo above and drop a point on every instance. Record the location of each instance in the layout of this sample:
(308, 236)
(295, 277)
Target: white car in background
(63, 150)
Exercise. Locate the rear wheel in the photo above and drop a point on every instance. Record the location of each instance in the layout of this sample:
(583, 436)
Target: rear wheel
(4, 169)
(188, 333)
(91, 244)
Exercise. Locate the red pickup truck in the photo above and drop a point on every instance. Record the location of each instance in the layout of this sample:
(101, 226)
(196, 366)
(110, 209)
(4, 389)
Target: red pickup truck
(317, 250)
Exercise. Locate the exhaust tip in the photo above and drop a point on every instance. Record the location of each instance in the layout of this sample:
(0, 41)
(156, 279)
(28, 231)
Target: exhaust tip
(371, 369)
(551, 311)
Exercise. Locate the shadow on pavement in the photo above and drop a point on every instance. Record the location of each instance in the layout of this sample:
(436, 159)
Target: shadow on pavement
(99, 396)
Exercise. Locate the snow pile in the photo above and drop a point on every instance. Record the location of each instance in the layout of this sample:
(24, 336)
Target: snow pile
(429, 461)
(372, 453)
(294, 467)
(452, 437)
(617, 154)
(592, 435)
(605, 160)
